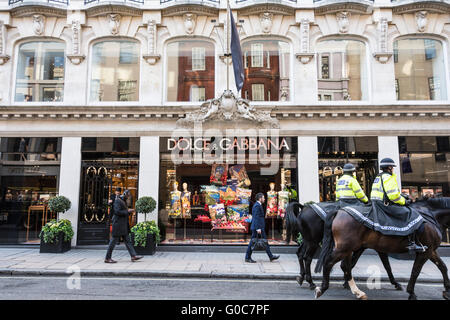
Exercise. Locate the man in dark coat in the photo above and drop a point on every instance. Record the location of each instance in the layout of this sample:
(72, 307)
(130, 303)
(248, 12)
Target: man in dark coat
(120, 228)
(257, 228)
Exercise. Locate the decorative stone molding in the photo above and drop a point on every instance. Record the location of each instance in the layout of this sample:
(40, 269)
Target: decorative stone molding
(190, 20)
(421, 20)
(227, 108)
(151, 57)
(102, 10)
(304, 56)
(342, 20)
(3, 56)
(180, 10)
(27, 11)
(266, 19)
(76, 57)
(276, 9)
(114, 23)
(38, 24)
(430, 6)
(382, 55)
(332, 6)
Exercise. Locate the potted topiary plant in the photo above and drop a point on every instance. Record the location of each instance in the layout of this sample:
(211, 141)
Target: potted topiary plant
(57, 234)
(145, 235)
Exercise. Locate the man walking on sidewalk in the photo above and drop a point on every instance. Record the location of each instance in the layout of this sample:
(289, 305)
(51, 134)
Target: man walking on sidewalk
(257, 227)
(120, 228)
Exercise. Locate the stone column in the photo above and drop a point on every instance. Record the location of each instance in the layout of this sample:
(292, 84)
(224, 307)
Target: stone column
(149, 173)
(308, 169)
(69, 179)
(388, 148)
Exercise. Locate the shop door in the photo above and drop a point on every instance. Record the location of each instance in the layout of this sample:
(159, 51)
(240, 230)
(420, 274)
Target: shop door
(94, 219)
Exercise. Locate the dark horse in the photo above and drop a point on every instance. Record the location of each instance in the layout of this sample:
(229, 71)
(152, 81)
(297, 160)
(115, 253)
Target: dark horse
(349, 236)
(304, 220)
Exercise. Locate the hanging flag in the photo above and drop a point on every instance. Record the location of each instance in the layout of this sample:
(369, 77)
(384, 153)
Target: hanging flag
(236, 55)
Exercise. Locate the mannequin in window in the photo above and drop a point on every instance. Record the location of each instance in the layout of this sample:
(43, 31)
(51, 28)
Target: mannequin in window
(271, 210)
(283, 200)
(175, 201)
(186, 201)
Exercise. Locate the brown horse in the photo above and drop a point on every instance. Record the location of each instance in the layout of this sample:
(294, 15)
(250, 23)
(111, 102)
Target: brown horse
(343, 235)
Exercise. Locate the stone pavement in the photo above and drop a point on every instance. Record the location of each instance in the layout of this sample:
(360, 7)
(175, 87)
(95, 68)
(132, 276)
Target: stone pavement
(28, 261)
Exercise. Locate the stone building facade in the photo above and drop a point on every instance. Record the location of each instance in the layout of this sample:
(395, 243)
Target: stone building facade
(86, 82)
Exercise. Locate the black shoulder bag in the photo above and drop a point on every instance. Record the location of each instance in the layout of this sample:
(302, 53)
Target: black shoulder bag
(259, 243)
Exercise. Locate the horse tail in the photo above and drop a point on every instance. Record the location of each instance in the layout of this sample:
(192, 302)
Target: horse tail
(292, 211)
(327, 242)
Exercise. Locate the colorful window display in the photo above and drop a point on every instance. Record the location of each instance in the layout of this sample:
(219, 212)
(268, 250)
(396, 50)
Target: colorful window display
(272, 202)
(221, 196)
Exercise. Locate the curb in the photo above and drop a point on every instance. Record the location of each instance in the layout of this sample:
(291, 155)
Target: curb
(203, 275)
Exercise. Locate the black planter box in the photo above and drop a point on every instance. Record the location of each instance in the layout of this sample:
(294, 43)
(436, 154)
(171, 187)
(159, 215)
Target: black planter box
(59, 246)
(150, 247)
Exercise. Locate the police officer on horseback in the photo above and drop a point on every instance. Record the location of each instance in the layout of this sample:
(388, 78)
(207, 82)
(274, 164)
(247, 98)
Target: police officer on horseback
(385, 188)
(348, 189)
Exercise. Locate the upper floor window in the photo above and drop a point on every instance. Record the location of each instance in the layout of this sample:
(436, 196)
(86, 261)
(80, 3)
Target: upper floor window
(40, 71)
(419, 69)
(342, 70)
(190, 70)
(115, 71)
(267, 67)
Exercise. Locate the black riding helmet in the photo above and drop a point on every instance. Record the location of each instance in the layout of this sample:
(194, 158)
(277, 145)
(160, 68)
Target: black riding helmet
(349, 167)
(387, 162)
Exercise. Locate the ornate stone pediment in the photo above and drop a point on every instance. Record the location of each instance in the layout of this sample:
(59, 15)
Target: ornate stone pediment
(228, 108)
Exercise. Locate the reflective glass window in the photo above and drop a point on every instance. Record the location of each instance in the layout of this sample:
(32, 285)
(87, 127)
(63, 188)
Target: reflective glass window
(342, 70)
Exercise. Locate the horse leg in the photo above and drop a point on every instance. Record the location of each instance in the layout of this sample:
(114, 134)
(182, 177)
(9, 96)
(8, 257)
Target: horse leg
(346, 266)
(355, 257)
(443, 268)
(420, 260)
(385, 260)
(309, 257)
(300, 252)
(336, 256)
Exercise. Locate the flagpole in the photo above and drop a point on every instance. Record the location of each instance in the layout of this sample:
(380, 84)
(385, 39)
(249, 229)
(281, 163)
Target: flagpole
(227, 55)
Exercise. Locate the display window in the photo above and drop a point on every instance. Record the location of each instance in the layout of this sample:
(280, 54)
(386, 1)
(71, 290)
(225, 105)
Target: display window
(29, 177)
(335, 152)
(424, 168)
(211, 203)
(107, 164)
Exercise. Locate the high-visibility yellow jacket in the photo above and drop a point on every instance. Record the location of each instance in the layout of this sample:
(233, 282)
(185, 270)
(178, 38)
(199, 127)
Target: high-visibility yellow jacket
(347, 187)
(390, 186)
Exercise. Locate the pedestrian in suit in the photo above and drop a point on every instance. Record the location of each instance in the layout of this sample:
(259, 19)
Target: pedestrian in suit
(257, 228)
(120, 228)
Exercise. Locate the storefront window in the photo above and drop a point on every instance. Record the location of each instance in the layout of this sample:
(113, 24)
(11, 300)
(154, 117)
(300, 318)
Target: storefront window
(29, 175)
(419, 69)
(115, 71)
(266, 70)
(209, 203)
(40, 72)
(424, 168)
(190, 71)
(107, 163)
(335, 152)
(342, 70)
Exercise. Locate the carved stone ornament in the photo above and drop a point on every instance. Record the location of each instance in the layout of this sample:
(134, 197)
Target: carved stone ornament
(421, 20)
(190, 20)
(151, 57)
(38, 24)
(382, 55)
(266, 19)
(304, 56)
(76, 57)
(343, 22)
(114, 23)
(228, 108)
(3, 57)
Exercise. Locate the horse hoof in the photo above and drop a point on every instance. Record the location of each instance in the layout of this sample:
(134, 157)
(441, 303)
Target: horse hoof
(317, 293)
(312, 286)
(361, 296)
(398, 287)
(412, 297)
(346, 286)
(446, 295)
(299, 280)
